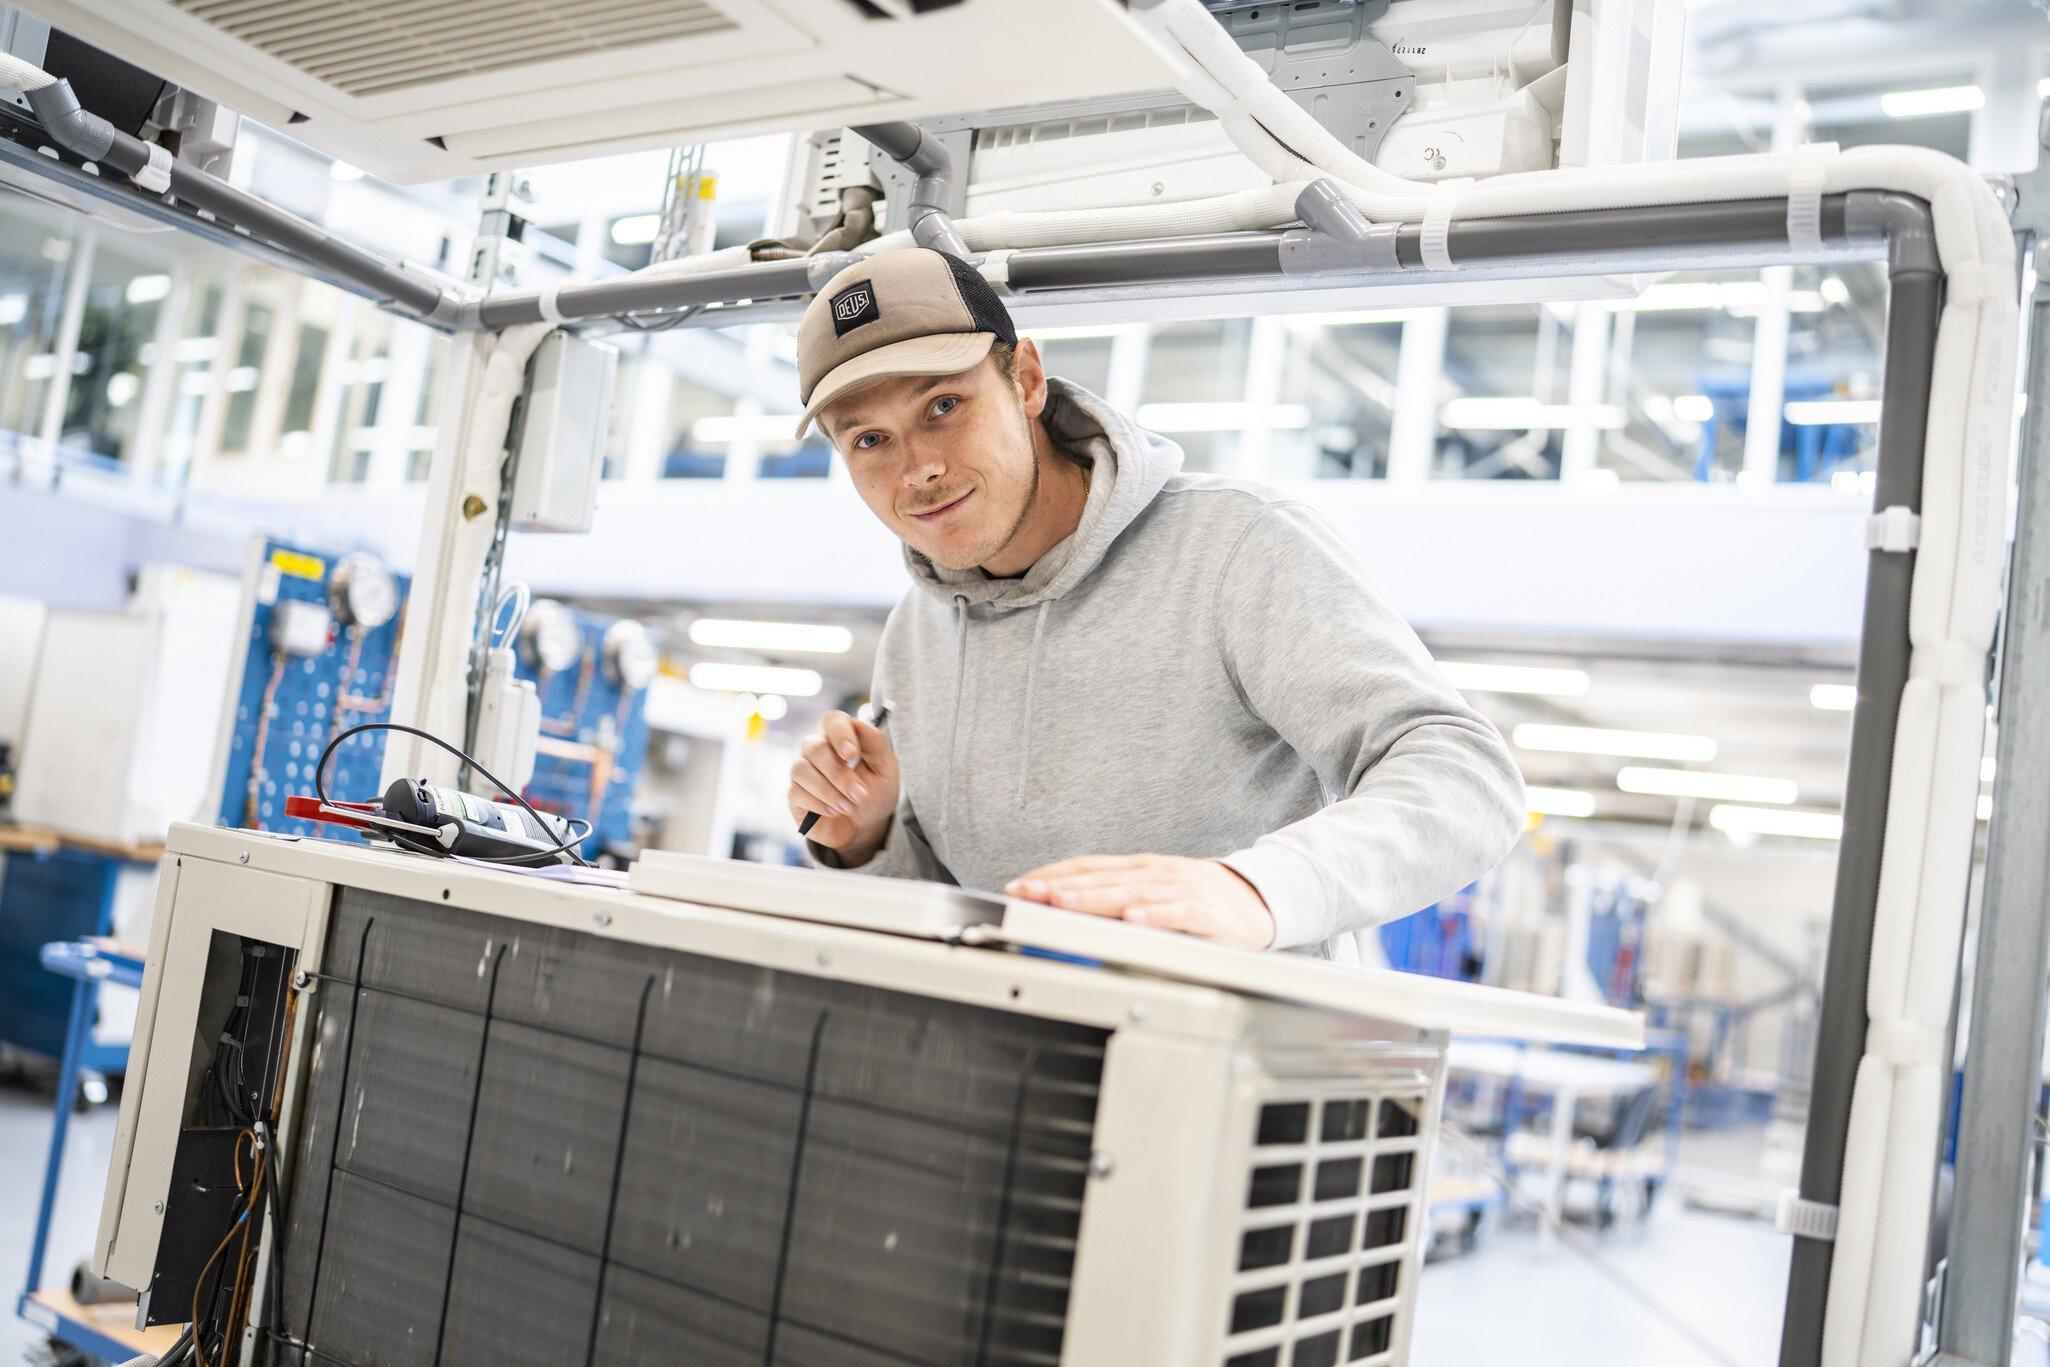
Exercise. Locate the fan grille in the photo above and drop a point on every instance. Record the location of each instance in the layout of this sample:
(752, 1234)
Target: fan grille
(375, 47)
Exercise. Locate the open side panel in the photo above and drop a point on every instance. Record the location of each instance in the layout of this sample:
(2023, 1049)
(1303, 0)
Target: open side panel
(194, 975)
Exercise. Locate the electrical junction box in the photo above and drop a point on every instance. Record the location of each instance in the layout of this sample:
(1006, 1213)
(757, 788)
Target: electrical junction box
(559, 454)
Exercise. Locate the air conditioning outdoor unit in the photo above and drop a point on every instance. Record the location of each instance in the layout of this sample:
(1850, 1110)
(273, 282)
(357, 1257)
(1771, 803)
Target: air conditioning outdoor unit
(528, 1121)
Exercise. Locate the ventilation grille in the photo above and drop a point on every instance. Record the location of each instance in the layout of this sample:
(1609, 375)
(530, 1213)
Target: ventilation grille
(1329, 1228)
(526, 1145)
(373, 47)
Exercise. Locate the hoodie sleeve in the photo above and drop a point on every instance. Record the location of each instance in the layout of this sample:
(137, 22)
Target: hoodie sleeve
(905, 853)
(1427, 796)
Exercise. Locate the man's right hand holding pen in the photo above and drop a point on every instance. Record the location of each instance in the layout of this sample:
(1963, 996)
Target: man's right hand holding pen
(846, 780)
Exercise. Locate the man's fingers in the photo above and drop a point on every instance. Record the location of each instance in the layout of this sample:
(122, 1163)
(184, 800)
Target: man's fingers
(874, 742)
(822, 796)
(1109, 899)
(841, 734)
(1190, 918)
(821, 756)
(1039, 881)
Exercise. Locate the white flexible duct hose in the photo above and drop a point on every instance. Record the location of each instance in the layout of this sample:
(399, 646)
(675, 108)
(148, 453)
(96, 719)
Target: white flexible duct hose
(15, 74)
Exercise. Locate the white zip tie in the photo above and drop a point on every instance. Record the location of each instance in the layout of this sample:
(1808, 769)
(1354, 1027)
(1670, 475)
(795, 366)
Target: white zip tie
(1948, 664)
(1437, 230)
(996, 269)
(155, 177)
(1904, 1043)
(1804, 194)
(1893, 529)
(1805, 1219)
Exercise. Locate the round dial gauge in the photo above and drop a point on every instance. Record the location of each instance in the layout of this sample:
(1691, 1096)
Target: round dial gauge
(630, 655)
(550, 636)
(363, 592)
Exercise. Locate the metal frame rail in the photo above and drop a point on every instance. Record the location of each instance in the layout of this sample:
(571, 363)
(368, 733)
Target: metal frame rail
(1336, 254)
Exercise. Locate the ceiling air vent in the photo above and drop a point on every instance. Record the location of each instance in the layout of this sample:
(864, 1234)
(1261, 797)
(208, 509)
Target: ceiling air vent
(372, 47)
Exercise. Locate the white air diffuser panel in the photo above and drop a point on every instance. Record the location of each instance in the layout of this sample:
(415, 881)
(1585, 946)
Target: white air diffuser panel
(414, 90)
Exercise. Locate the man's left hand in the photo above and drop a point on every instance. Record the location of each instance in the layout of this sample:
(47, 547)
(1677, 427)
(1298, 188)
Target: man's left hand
(1195, 896)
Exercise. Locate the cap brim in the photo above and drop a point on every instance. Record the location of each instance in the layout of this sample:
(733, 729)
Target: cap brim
(942, 354)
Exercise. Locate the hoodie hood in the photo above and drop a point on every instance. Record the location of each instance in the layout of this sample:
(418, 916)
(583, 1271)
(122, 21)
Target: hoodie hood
(1128, 469)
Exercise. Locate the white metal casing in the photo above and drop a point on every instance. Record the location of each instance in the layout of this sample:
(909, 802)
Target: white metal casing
(1179, 1123)
(560, 451)
(124, 709)
(1501, 86)
(413, 93)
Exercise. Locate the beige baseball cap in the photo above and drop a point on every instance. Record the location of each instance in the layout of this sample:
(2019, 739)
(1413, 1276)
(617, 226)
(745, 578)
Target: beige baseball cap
(913, 311)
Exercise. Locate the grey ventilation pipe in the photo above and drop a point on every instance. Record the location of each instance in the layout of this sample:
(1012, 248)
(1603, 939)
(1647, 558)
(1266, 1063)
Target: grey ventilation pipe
(921, 154)
(88, 135)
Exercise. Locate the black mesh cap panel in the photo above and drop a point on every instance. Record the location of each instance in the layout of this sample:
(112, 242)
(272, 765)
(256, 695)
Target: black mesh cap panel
(984, 307)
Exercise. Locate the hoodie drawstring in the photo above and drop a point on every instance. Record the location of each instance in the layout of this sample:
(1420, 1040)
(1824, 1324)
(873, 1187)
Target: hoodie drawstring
(1031, 681)
(960, 703)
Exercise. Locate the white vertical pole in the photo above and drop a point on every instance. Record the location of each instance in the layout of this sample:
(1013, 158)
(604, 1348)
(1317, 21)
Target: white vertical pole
(1128, 348)
(1586, 387)
(398, 404)
(1769, 337)
(1413, 433)
(2004, 136)
(1265, 349)
(648, 438)
(160, 378)
(58, 395)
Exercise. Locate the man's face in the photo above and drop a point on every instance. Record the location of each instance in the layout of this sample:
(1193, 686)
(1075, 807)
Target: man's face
(947, 462)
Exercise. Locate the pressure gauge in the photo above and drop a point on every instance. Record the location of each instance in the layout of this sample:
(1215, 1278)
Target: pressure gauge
(630, 655)
(551, 637)
(363, 592)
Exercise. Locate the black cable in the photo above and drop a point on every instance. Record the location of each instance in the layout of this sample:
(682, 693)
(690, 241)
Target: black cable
(566, 847)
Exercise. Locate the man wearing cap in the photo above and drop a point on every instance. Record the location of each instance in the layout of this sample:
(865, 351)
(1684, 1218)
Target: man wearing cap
(1170, 698)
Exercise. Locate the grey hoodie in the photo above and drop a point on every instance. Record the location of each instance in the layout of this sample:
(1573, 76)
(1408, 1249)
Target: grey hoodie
(1202, 668)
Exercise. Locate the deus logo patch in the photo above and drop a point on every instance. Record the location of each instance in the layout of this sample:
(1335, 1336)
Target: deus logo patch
(854, 306)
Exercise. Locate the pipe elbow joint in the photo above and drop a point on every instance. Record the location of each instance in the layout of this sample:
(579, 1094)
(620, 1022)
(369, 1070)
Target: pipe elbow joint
(73, 127)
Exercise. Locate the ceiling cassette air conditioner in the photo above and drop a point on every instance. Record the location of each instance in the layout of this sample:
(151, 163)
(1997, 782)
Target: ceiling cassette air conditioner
(413, 91)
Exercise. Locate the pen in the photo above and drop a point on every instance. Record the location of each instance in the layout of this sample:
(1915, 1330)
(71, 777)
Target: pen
(811, 819)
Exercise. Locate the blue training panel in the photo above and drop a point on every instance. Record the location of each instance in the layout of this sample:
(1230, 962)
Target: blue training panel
(289, 705)
(594, 740)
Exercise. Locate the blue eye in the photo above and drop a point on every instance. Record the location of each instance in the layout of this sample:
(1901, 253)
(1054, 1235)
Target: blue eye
(867, 441)
(945, 405)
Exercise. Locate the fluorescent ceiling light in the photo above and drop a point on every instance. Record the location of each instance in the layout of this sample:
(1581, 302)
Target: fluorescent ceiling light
(771, 636)
(1750, 821)
(1834, 290)
(1541, 681)
(121, 387)
(1985, 806)
(13, 308)
(1594, 740)
(1831, 412)
(1918, 104)
(1986, 769)
(772, 706)
(1694, 408)
(1715, 787)
(1833, 697)
(720, 429)
(1558, 802)
(636, 230)
(1222, 417)
(728, 678)
(147, 289)
(1522, 413)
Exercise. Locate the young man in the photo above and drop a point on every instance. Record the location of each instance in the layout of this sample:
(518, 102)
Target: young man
(1116, 688)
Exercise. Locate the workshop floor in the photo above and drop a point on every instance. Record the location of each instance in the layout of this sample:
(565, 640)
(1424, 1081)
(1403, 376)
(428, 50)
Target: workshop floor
(1709, 1278)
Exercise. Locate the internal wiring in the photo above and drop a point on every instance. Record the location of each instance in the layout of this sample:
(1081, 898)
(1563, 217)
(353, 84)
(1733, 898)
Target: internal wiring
(567, 846)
